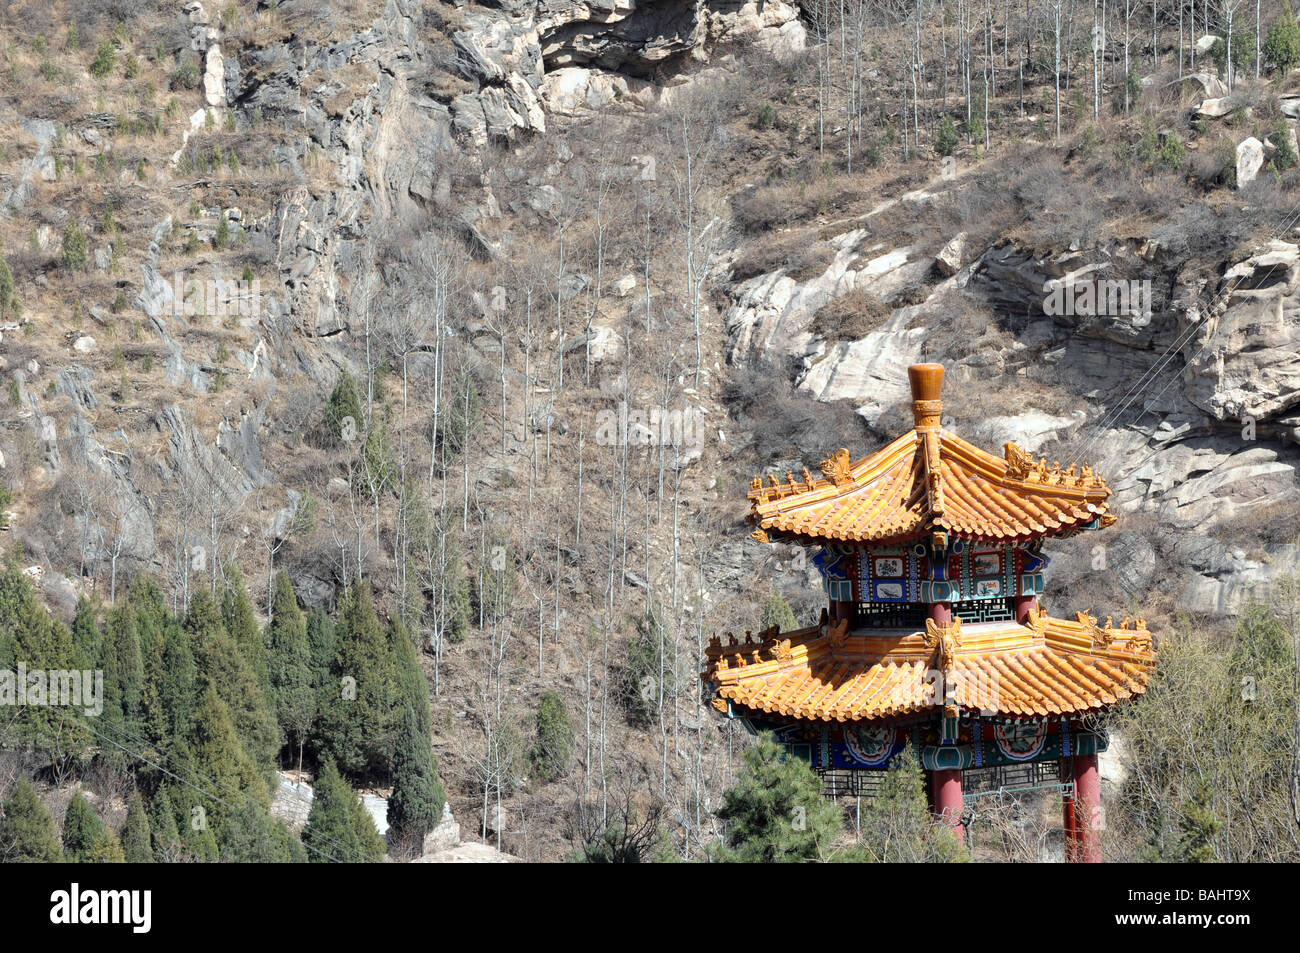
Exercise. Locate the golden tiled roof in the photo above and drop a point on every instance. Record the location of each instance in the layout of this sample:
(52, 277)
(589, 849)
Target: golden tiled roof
(929, 479)
(827, 673)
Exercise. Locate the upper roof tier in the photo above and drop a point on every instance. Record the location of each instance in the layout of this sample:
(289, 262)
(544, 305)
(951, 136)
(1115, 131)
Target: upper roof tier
(929, 479)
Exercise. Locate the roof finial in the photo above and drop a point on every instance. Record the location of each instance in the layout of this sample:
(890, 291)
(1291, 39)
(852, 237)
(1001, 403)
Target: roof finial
(927, 382)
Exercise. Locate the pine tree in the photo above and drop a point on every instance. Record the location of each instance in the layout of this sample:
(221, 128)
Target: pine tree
(27, 828)
(250, 836)
(331, 830)
(897, 826)
(323, 640)
(166, 837)
(1282, 43)
(178, 687)
(553, 749)
(373, 847)
(28, 633)
(85, 635)
(222, 666)
(105, 849)
(415, 806)
(241, 624)
(358, 733)
(775, 810)
(290, 663)
(222, 765)
(81, 827)
(123, 667)
(1199, 827)
(137, 847)
(777, 612)
(151, 622)
(343, 404)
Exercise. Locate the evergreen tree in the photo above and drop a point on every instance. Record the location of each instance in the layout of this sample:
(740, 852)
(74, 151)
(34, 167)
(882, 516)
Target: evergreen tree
(222, 666)
(27, 633)
(415, 806)
(290, 662)
(331, 830)
(85, 635)
(291, 846)
(151, 620)
(372, 843)
(222, 765)
(343, 404)
(250, 836)
(897, 826)
(775, 810)
(81, 827)
(137, 847)
(1199, 827)
(105, 849)
(241, 624)
(361, 709)
(1282, 43)
(6, 285)
(27, 829)
(178, 685)
(123, 668)
(166, 837)
(553, 749)
(945, 140)
(322, 639)
(777, 612)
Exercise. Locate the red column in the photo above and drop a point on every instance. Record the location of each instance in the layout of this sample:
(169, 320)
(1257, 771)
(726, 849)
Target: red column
(946, 798)
(1021, 606)
(1088, 817)
(941, 611)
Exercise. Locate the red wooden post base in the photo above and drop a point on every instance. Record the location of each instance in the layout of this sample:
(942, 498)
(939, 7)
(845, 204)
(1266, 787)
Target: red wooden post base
(945, 799)
(1084, 818)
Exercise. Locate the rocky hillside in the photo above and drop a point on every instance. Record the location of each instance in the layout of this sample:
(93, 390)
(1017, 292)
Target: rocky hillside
(512, 223)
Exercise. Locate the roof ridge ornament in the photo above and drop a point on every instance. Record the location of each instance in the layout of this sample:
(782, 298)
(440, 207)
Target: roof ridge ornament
(836, 467)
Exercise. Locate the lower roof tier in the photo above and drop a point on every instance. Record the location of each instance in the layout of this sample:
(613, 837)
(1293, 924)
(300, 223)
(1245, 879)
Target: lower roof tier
(831, 673)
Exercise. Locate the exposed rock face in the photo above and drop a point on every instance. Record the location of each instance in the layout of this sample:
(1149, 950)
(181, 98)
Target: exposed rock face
(575, 55)
(1245, 359)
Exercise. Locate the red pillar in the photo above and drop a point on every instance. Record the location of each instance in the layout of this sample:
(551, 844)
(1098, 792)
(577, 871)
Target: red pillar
(1021, 605)
(941, 611)
(1088, 817)
(945, 789)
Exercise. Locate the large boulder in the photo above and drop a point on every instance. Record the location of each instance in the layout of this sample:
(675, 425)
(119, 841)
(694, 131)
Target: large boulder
(1250, 159)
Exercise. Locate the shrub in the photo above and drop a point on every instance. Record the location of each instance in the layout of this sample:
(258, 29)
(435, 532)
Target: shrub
(765, 118)
(1173, 153)
(1285, 157)
(6, 285)
(186, 75)
(105, 59)
(75, 248)
(945, 140)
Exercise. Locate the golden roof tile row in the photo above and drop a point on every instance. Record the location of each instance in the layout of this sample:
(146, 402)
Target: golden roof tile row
(1049, 667)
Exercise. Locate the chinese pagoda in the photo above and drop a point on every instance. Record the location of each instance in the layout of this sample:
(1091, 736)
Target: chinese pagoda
(935, 635)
